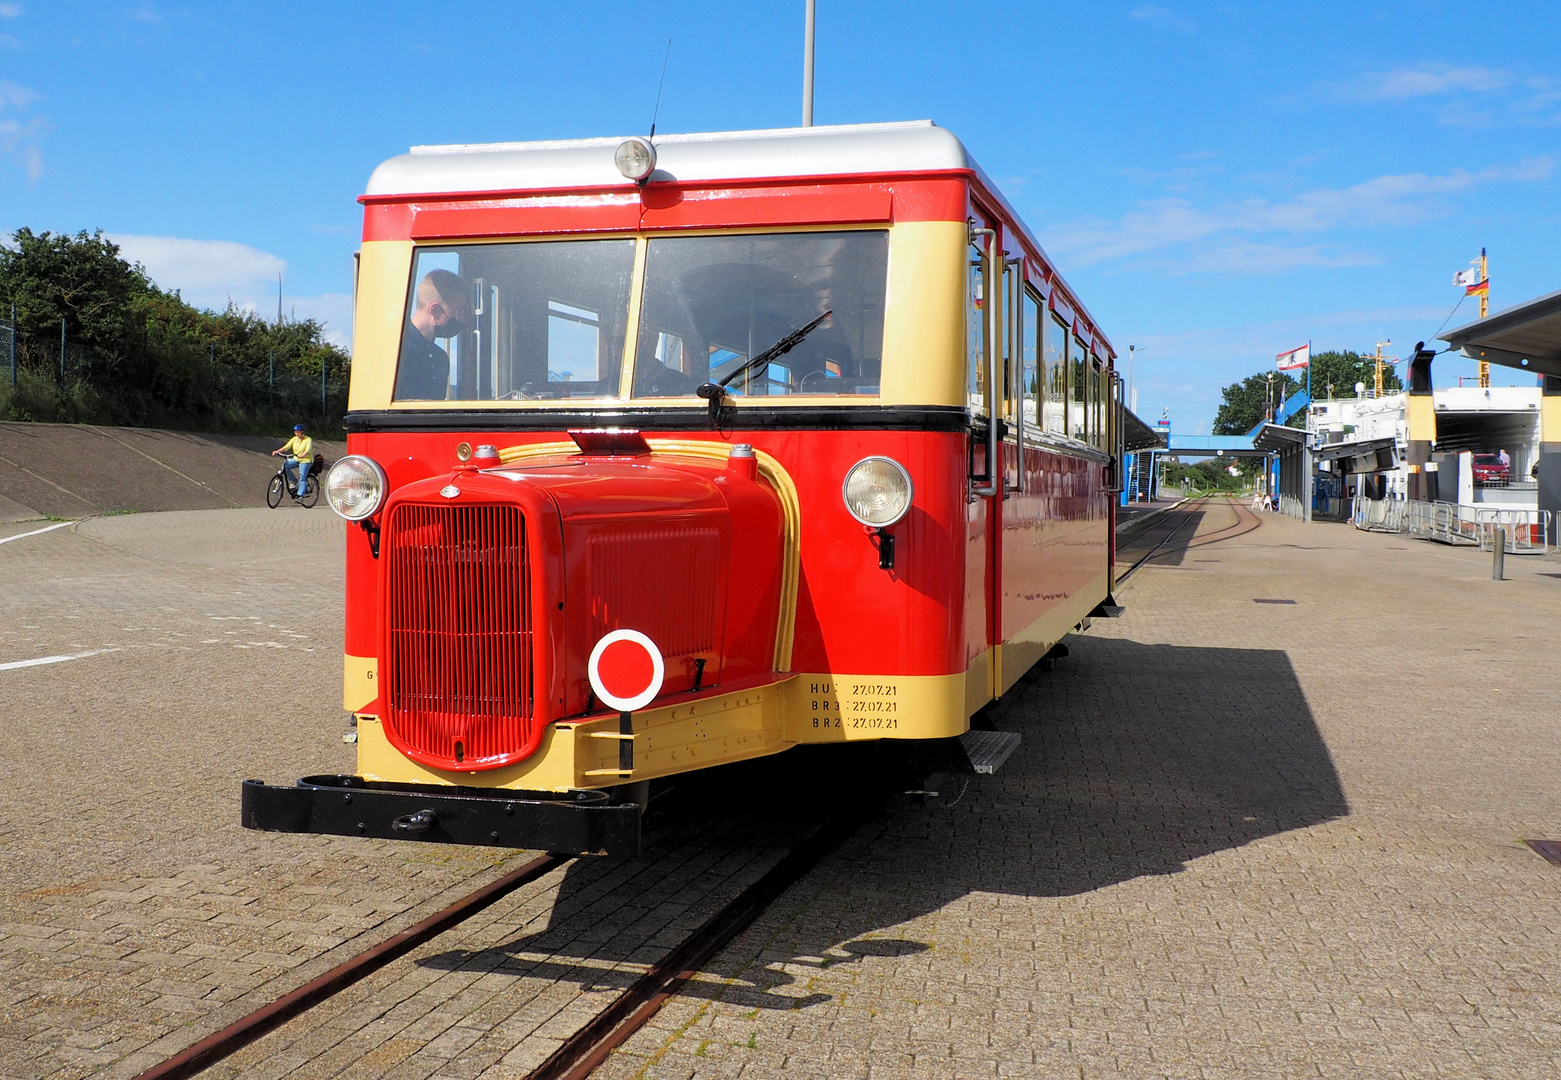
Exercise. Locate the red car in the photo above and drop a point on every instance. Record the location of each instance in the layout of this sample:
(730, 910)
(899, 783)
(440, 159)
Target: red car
(1490, 470)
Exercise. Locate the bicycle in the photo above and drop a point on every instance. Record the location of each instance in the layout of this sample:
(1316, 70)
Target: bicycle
(280, 486)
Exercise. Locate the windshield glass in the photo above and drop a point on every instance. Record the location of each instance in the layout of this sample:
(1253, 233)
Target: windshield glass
(712, 302)
(490, 322)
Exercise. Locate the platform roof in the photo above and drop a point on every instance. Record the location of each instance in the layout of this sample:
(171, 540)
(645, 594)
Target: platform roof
(1276, 438)
(1139, 435)
(1527, 336)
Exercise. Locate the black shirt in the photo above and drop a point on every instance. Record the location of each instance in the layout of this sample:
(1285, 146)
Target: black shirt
(424, 371)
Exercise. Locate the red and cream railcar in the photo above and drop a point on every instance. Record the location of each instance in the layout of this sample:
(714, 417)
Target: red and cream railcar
(569, 416)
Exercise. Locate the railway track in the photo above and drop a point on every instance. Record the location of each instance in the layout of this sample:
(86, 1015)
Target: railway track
(1178, 520)
(590, 1045)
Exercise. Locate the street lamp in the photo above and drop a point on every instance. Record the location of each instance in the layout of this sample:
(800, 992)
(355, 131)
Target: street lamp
(1132, 402)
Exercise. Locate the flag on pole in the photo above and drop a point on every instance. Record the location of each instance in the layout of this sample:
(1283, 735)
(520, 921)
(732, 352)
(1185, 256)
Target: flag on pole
(1482, 288)
(1296, 358)
(1465, 278)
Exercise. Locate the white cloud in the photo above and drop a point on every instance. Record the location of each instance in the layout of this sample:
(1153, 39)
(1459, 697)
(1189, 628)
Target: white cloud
(10, 11)
(19, 139)
(1156, 15)
(1216, 235)
(211, 273)
(1427, 80)
(1466, 96)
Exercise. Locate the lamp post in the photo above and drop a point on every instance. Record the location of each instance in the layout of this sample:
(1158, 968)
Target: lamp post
(1132, 402)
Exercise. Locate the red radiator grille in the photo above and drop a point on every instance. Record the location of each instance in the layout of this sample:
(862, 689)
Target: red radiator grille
(458, 644)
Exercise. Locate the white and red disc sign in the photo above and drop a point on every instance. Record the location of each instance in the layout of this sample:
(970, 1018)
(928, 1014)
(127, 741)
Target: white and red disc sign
(626, 670)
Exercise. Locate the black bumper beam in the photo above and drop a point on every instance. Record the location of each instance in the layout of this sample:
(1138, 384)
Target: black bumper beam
(574, 822)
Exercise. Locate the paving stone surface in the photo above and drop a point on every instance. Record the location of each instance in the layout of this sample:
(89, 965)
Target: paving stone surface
(1239, 839)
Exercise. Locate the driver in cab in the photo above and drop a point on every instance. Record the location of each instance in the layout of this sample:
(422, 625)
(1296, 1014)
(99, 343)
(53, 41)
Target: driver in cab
(441, 309)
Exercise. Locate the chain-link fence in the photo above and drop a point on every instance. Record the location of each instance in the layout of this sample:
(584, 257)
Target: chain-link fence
(191, 388)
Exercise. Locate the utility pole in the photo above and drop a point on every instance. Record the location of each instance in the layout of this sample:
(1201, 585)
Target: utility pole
(62, 348)
(807, 66)
(13, 342)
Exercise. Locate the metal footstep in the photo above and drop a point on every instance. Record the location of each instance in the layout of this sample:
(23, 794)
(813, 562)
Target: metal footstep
(1107, 611)
(987, 750)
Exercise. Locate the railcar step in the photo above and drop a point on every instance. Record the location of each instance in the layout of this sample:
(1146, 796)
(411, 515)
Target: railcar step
(1107, 611)
(987, 750)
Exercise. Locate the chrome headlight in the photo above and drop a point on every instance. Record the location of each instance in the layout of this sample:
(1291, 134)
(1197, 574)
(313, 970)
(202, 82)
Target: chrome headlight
(635, 158)
(355, 487)
(877, 491)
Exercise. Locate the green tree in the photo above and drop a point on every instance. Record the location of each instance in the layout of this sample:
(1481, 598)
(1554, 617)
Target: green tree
(1246, 403)
(139, 355)
(1342, 369)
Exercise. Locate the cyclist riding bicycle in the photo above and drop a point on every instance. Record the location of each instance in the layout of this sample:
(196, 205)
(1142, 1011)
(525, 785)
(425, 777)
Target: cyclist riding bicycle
(300, 455)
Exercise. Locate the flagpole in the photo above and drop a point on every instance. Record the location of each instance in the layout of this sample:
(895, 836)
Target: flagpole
(1485, 367)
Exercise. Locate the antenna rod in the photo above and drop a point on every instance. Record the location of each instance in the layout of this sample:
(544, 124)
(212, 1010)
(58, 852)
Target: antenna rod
(657, 110)
(807, 67)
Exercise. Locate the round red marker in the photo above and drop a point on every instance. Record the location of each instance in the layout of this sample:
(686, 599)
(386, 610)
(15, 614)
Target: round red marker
(626, 670)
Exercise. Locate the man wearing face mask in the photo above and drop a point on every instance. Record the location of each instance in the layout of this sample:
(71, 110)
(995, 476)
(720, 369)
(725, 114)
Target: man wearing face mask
(441, 309)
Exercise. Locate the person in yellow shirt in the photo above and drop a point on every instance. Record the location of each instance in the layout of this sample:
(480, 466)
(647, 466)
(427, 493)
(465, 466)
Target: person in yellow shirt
(300, 455)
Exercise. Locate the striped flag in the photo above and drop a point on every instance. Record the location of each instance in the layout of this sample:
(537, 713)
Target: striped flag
(1295, 358)
(1482, 288)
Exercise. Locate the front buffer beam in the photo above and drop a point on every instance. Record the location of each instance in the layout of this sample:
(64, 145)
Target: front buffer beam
(572, 822)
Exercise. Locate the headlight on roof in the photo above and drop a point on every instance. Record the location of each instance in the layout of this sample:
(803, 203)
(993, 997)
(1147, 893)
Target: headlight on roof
(635, 158)
(877, 491)
(355, 487)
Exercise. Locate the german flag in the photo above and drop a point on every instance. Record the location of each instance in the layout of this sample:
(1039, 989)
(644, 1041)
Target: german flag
(1479, 288)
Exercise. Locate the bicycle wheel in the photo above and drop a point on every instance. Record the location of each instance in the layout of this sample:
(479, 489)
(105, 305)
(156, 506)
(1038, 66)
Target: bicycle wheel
(275, 491)
(311, 491)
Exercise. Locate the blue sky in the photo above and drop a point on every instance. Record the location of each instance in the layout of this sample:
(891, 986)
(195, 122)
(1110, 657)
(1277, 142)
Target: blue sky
(1220, 182)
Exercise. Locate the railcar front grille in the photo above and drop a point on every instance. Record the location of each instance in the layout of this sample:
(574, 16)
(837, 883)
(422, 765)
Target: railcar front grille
(458, 636)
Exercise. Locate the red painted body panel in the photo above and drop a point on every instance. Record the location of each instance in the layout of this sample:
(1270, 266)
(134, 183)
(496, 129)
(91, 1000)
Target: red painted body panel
(1055, 536)
(851, 616)
(667, 206)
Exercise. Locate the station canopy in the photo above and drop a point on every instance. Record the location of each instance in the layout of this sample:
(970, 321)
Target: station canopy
(1527, 337)
(1139, 435)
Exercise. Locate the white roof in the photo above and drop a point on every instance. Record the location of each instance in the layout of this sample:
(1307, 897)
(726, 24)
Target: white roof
(845, 149)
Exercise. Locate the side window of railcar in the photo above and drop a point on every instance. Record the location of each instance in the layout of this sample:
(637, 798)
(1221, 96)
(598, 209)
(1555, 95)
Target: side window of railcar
(491, 322)
(975, 328)
(1031, 388)
(1078, 408)
(712, 304)
(1056, 353)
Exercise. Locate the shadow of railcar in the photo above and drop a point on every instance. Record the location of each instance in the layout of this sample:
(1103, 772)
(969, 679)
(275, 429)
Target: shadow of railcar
(1136, 759)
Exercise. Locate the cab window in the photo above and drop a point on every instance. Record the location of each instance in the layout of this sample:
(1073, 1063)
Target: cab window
(713, 305)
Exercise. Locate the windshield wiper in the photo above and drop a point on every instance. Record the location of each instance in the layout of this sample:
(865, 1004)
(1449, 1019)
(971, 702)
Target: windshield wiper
(715, 392)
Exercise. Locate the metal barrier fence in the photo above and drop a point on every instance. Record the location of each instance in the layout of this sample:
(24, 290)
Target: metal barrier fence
(1527, 531)
(1378, 515)
(1447, 523)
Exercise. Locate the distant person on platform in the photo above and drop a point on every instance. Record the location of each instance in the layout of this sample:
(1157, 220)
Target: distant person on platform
(441, 309)
(300, 455)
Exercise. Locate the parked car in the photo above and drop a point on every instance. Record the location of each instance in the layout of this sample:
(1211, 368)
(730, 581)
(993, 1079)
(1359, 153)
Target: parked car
(1491, 471)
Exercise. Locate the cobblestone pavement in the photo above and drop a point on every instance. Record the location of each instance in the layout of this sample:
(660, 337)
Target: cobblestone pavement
(135, 914)
(1239, 839)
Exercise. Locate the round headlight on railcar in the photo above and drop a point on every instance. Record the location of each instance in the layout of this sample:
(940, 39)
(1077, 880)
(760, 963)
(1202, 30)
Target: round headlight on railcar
(635, 158)
(355, 487)
(877, 491)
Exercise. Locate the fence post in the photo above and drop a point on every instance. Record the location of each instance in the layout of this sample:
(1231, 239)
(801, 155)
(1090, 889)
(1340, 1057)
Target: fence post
(323, 365)
(62, 348)
(271, 359)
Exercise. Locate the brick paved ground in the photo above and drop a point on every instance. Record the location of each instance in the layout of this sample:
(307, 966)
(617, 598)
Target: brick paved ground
(1238, 840)
(135, 914)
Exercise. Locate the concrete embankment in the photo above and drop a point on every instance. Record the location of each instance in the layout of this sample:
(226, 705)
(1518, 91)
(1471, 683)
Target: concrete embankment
(74, 470)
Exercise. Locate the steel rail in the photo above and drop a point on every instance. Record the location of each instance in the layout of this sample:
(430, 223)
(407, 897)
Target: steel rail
(587, 1048)
(241, 1033)
(1188, 516)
